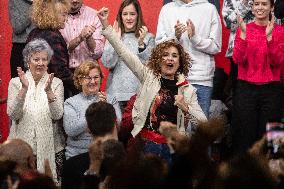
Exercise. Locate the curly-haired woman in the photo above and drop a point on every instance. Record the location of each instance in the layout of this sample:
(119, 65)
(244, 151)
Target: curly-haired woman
(164, 94)
(49, 16)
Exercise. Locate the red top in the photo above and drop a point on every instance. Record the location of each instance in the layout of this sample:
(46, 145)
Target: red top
(259, 61)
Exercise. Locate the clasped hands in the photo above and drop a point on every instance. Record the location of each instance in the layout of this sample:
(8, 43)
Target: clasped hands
(180, 28)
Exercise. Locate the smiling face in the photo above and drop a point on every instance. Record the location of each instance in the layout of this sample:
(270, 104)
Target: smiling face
(170, 63)
(91, 83)
(38, 64)
(129, 18)
(261, 10)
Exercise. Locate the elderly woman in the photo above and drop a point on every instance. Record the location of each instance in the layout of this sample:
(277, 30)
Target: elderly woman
(49, 16)
(131, 28)
(164, 94)
(35, 102)
(87, 78)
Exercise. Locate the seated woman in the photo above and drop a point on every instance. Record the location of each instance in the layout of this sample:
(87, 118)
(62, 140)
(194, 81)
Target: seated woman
(35, 102)
(87, 78)
(164, 94)
(131, 28)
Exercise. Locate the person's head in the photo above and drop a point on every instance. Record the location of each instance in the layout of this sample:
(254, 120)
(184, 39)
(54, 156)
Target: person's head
(129, 16)
(35, 180)
(20, 152)
(262, 9)
(37, 54)
(75, 6)
(49, 14)
(169, 59)
(88, 77)
(101, 118)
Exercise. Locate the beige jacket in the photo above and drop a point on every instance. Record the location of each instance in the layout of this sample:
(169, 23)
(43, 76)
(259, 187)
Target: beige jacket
(150, 86)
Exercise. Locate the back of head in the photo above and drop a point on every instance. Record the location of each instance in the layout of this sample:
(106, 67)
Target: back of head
(18, 151)
(244, 172)
(35, 180)
(100, 118)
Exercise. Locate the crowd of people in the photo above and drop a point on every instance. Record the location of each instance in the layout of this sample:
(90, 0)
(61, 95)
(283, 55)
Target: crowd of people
(154, 127)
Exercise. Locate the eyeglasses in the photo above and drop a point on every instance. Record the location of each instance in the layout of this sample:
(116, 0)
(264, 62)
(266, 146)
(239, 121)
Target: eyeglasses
(89, 79)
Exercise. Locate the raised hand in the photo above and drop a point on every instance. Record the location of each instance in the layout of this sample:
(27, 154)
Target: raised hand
(179, 29)
(116, 28)
(47, 87)
(180, 103)
(142, 33)
(102, 96)
(190, 28)
(103, 14)
(269, 29)
(243, 27)
(23, 79)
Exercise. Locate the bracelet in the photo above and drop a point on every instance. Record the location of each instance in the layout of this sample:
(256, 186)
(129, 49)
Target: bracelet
(52, 99)
(89, 172)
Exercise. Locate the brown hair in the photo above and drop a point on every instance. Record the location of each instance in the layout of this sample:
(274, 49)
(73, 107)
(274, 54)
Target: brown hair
(140, 20)
(44, 13)
(157, 57)
(83, 70)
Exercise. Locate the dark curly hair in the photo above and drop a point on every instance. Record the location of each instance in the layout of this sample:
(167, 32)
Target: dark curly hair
(157, 57)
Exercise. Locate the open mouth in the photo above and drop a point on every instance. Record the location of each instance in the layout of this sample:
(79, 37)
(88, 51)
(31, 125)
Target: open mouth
(170, 65)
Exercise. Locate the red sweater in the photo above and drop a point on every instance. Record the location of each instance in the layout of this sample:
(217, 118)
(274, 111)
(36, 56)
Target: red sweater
(259, 61)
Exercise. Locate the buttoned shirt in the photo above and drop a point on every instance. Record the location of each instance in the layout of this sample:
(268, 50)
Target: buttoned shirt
(73, 27)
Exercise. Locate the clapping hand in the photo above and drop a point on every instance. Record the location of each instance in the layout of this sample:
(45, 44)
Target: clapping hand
(47, 87)
(87, 31)
(142, 33)
(179, 29)
(117, 29)
(269, 29)
(102, 96)
(243, 27)
(23, 79)
(190, 28)
(103, 14)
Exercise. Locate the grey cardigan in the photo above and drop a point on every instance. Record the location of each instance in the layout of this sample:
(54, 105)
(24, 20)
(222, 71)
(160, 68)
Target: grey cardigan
(75, 124)
(122, 83)
(19, 15)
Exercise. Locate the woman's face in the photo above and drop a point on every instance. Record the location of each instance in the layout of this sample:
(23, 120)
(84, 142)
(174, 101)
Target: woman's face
(38, 64)
(91, 83)
(261, 9)
(129, 18)
(170, 63)
(62, 14)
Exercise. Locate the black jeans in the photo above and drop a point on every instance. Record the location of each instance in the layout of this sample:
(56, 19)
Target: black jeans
(253, 106)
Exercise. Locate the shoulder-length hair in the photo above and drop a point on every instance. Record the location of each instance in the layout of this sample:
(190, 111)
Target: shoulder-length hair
(140, 20)
(44, 13)
(157, 57)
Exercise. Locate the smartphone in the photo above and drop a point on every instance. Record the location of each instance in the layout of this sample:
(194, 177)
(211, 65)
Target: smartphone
(275, 139)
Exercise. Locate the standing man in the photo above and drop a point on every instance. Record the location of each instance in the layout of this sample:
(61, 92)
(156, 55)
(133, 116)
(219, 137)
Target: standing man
(19, 15)
(82, 34)
(197, 26)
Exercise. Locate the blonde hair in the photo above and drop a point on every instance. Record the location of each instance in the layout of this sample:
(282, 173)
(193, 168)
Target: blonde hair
(84, 70)
(44, 13)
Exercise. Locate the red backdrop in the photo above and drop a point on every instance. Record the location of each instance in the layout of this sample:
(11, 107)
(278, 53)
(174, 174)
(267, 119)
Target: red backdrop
(151, 9)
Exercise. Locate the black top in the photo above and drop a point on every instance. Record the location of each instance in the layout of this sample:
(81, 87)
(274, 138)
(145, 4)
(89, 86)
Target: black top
(163, 108)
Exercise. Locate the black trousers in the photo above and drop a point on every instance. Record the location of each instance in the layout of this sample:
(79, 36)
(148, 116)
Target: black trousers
(16, 59)
(253, 106)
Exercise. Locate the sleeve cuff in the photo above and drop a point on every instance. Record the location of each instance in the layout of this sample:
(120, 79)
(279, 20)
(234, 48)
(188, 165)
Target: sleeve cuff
(195, 39)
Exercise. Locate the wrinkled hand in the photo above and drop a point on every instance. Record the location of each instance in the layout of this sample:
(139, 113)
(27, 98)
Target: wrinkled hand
(117, 29)
(180, 103)
(102, 96)
(190, 28)
(103, 14)
(243, 27)
(179, 29)
(47, 87)
(87, 31)
(142, 33)
(269, 29)
(23, 79)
